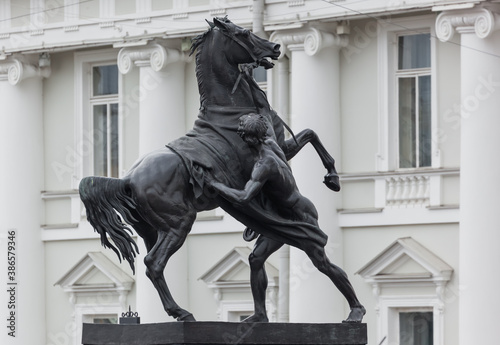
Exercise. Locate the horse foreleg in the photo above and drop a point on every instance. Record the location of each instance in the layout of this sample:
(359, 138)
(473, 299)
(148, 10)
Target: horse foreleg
(293, 146)
(166, 245)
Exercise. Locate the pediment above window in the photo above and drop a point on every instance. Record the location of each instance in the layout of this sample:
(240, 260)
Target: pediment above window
(405, 261)
(95, 272)
(229, 279)
(233, 270)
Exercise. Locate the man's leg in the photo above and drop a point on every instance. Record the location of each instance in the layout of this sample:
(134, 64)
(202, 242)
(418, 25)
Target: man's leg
(318, 256)
(264, 247)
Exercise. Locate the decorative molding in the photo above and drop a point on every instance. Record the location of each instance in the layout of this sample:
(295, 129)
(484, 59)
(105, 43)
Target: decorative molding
(143, 20)
(71, 28)
(217, 11)
(310, 40)
(482, 22)
(182, 15)
(295, 3)
(108, 24)
(4, 35)
(37, 32)
(15, 71)
(153, 55)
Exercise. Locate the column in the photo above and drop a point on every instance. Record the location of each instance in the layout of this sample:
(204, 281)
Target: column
(314, 103)
(480, 166)
(22, 294)
(161, 120)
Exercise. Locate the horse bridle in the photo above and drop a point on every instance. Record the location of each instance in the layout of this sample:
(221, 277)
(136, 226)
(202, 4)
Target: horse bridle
(256, 61)
(241, 43)
(255, 64)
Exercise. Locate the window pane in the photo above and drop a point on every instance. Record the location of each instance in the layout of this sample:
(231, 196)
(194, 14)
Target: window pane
(424, 121)
(114, 140)
(407, 130)
(414, 51)
(416, 328)
(260, 74)
(105, 80)
(100, 140)
(105, 320)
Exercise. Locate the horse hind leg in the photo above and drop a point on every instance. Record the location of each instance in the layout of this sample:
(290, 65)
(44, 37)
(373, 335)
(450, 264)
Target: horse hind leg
(166, 245)
(293, 146)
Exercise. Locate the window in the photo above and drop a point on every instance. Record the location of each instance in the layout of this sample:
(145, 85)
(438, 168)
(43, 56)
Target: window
(416, 328)
(260, 76)
(101, 319)
(104, 107)
(414, 100)
(98, 124)
(407, 110)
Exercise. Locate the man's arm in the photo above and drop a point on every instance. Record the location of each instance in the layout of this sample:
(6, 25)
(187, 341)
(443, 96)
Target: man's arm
(259, 177)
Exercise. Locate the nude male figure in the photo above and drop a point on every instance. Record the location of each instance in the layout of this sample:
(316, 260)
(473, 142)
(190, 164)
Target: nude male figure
(272, 176)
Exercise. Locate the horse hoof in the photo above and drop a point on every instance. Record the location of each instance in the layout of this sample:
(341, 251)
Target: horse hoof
(249, 235)
(332, 181)
(187, 318)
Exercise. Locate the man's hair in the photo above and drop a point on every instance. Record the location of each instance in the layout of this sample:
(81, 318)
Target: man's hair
(254, 125)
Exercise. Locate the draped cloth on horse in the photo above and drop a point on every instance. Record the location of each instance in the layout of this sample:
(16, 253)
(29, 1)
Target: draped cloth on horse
(213, 146)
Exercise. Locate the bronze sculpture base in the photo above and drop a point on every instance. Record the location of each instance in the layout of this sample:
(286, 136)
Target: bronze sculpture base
(225, 333)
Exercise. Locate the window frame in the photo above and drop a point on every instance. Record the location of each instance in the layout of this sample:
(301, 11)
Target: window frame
(413, 310)
(391, 306)
(387, 158)
(107, 100)
(84, 313)
(415, 73)
(83, 146)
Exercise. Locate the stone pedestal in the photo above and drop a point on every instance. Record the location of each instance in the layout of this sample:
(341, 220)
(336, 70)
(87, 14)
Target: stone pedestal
(225, 333)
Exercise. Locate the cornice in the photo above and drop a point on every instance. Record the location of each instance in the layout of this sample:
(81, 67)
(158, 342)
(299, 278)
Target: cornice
(15, 70)
(310, 40)
(152, 55)
(481, 21)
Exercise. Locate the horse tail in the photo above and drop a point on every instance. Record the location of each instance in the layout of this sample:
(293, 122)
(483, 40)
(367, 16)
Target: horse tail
(104, 198)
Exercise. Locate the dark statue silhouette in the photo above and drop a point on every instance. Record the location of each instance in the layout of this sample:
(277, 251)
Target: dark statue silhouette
(161, 194)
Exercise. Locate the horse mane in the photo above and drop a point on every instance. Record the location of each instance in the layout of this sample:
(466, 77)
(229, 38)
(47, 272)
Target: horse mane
(197, 45)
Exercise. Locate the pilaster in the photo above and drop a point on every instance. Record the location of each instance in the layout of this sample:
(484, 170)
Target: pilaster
(21, 149)
(313, 89)
(479, 183)
(161, 120)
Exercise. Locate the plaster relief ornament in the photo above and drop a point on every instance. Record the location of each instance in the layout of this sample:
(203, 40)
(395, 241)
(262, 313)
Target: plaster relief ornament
(161, 194)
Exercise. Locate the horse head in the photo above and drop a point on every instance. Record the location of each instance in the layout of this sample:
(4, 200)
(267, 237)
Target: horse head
(246, 47)
(221, 50)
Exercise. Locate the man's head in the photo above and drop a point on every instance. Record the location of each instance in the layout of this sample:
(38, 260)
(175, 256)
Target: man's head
(252, 128)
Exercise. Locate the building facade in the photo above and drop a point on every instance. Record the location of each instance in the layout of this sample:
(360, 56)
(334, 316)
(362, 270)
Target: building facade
(402, 93)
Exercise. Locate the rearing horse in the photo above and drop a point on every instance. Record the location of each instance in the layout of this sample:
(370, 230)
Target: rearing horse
(161, 194)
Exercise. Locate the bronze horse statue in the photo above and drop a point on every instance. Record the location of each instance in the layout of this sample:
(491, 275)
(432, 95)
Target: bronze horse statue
(163, 191)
